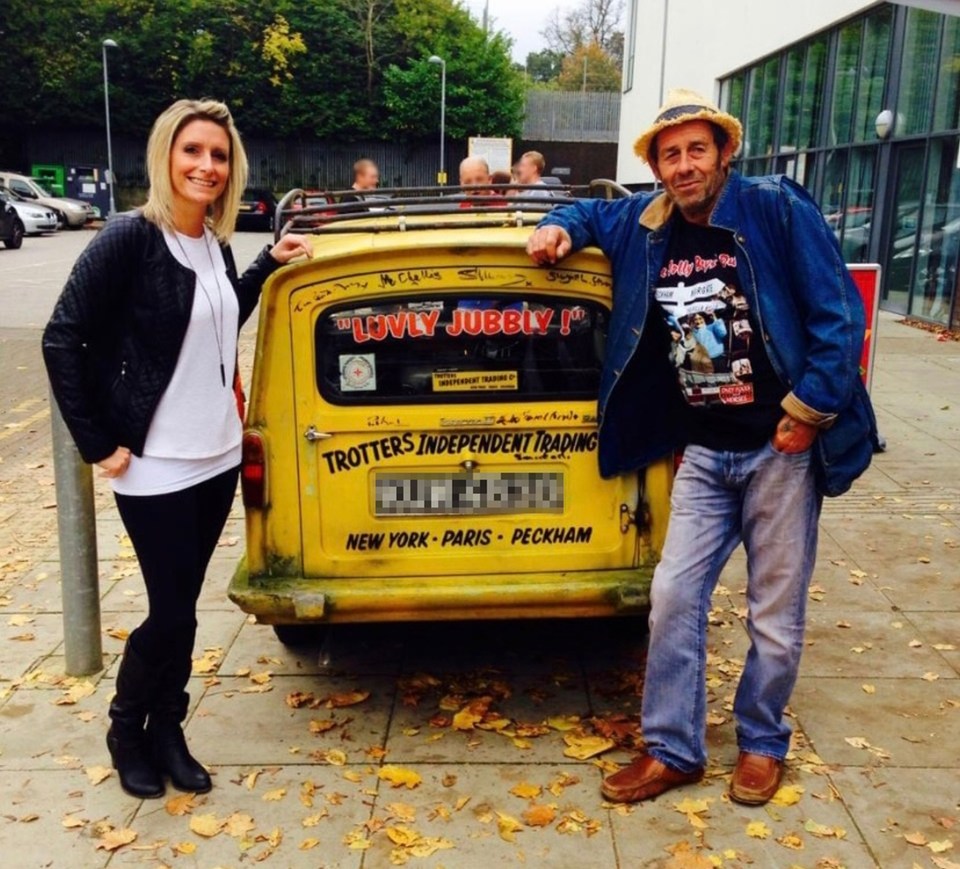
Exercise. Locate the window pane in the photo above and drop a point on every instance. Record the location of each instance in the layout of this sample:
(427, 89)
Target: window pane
(445, 349)
(845, 83)
(831, 197)
(806, 171)
(816, 68)
(873, 78)
(858, 211)
(754, 114)
(918, 75)
(786, 164)
(904, 223)
(768, 106)
(731, 96)
(792, 100)
(947, 114)
(935, 277)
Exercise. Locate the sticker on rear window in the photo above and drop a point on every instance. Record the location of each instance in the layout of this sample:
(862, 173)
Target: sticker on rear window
(358, 372)
(474, 381)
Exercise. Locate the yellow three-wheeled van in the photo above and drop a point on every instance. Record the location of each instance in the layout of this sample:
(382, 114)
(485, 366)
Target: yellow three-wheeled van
(421, 437)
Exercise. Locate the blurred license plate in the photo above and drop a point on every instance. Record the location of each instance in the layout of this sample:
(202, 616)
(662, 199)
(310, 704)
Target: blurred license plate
(466, 494)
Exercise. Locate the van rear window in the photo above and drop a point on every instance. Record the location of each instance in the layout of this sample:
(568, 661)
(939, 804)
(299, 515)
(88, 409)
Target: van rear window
(472, 348)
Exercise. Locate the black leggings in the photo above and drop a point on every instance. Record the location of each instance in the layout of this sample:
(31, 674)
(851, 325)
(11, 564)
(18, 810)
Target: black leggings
(174, 536)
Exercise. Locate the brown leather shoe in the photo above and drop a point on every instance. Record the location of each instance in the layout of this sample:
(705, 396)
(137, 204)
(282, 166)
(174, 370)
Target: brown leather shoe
(645, 779)
(756, 779)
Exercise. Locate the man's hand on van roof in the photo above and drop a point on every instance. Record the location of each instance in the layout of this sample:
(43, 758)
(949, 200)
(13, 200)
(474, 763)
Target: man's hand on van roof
(549, 244)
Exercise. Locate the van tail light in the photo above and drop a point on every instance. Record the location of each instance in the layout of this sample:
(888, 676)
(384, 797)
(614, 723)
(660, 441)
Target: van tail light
(253, 471)
(261, 207)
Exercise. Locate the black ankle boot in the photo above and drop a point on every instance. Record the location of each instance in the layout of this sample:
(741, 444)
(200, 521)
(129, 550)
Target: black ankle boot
(170, 752)
(126, 740)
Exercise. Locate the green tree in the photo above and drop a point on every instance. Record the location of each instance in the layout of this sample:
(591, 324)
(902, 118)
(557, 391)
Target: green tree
(287, 68)
(543, 66)
(484, 90)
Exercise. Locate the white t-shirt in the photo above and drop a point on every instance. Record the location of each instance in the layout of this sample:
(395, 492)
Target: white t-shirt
(195, 432)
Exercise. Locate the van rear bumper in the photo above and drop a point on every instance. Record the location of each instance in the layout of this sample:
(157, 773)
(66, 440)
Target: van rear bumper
(296, 600)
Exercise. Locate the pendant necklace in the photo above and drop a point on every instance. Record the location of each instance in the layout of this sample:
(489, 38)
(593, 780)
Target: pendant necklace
(217, 330)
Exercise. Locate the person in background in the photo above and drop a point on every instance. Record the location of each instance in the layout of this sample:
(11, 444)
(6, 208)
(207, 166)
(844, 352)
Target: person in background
(501, 176)
(366, 176)
(529, 170)
(762, 446)
(141, 351)
(475, 174)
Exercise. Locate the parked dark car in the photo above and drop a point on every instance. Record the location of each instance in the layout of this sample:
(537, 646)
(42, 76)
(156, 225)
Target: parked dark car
(11, 227)
(257, 208)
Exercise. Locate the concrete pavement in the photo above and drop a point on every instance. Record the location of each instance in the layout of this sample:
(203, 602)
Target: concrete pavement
(345, 755)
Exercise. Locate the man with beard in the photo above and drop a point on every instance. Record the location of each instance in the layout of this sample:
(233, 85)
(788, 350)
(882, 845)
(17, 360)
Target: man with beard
(761, 447)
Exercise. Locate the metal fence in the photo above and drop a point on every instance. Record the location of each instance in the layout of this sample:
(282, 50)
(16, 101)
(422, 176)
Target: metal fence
(560, 116)
(280, 164)
(274, 163)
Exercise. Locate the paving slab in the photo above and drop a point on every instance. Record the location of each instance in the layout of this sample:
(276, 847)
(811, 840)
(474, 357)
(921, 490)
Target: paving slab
(532, 700)
(867, 644)
(891, 803)
(941, 631)
(36, 804)
(237, 723)
(578, 836)
(702, 821)
(298, 816)
(37, 734)
(905, 722)
(26, 639)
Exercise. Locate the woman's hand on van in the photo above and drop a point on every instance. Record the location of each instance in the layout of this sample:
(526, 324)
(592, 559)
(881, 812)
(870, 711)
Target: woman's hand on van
(115, 465)
(549, 244)
(290, 247)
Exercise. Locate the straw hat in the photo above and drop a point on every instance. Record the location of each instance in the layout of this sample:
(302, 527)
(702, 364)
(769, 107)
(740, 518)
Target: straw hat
(684, 105)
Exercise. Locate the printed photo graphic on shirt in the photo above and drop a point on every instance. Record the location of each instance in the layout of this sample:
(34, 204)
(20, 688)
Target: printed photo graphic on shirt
(710, 335)
(358, 372)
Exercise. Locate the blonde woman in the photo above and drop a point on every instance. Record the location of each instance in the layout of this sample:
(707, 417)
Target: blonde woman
(141, 350)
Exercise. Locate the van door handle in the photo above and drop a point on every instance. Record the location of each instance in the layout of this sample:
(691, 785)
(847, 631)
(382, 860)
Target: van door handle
(312, 435)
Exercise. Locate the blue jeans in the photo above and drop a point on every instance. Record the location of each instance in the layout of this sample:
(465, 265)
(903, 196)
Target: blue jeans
(767, 500)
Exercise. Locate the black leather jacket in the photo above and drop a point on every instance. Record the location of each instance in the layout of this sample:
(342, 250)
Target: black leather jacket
(115, 335)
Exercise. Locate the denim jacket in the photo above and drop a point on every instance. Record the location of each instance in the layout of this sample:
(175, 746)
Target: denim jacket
(810, 315)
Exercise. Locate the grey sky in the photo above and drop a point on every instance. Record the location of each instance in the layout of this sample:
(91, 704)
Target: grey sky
(522, 19)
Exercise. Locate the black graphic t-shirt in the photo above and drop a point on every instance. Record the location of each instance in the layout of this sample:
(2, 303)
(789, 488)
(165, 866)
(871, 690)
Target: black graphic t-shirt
(731, 389)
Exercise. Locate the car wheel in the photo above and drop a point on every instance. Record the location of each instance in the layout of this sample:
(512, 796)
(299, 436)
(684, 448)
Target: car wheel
(298, 636)
(61, 220)
(16, 237)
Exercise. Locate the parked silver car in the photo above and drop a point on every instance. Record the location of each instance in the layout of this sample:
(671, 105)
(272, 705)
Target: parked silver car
(35, 218)
(72, 213)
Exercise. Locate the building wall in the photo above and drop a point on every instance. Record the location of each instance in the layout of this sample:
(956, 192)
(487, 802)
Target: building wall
(705, 41)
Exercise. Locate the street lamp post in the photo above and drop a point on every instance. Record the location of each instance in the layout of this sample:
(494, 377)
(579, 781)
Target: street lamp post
(442, 177)
(108, 43)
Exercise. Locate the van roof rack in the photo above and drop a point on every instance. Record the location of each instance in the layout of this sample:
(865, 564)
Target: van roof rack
(387, 209)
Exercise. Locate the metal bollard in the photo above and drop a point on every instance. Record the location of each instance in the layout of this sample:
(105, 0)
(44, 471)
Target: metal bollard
(77, 529)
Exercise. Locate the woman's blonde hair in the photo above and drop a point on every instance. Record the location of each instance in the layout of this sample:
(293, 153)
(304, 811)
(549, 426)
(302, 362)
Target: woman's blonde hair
(159, 207)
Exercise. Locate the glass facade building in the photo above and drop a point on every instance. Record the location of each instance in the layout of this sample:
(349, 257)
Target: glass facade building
(866, 115)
